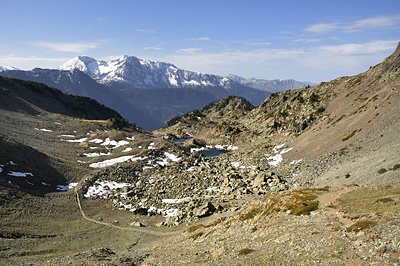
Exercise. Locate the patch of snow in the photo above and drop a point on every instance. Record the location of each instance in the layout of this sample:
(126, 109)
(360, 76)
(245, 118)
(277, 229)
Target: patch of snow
(29, 182)
(131, 139)
(286, 150)
(190, 169)
(11, 163)
(125, 206)
(168, 156)
(45, 184)
(171, 201)
(111, 161)
(98, 141)
(44, 129)
(127, 150)
(151, 146)
(67, 136)
(76, 140)
(116, 160)
(278, 147)
(138, 158)
(19, 174)
(192, 150)
(171, 213)
(296, 161)
(213, 189)
(66, 187)
(102, 188)
(97, 154)
(277, 158)
(114, 143)
(235, 164)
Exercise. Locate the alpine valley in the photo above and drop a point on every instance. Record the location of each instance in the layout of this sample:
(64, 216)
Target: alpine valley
(147, 93)
(306, 175)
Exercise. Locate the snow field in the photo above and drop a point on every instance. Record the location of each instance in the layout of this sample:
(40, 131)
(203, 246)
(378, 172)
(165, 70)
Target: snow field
(276, 159)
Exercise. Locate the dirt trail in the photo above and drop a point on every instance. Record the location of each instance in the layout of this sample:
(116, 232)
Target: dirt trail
(141, 230)
(332, 197)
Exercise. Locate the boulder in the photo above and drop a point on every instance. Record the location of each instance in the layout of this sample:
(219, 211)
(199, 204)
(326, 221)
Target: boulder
(136, 224)
(172, 221)
(205, 210)
(141, 211)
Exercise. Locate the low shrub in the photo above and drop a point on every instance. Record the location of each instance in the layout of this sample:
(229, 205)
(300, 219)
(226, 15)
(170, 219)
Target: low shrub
(382, 171)
(245, 251)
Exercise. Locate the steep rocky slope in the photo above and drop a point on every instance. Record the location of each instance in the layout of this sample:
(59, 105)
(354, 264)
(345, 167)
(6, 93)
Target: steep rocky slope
(334, 125)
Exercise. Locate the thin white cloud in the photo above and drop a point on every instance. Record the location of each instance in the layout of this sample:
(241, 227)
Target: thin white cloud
(314, 63)
(145, 30)
(258, 43)
(307, 40)
(190, 50)
(32, 61)
(376, 23)
(201, 39)
(322, 27)
(372, 23)
(155, 48)
(71, 47)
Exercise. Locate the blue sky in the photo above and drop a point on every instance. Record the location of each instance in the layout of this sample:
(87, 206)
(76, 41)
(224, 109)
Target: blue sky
(304, 40)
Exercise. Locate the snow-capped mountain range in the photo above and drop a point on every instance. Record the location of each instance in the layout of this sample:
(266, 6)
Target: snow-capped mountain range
(143, 74)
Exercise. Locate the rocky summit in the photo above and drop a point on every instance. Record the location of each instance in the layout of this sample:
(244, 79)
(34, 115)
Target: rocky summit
(308, 177)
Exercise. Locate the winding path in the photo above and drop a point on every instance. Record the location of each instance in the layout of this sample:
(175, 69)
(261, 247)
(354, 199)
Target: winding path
(332, 197)
(141, 230)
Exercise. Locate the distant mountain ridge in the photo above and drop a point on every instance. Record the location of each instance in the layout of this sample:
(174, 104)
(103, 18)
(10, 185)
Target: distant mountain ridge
(144, 74)
(275, 85)
(3, 68)
(146, 93)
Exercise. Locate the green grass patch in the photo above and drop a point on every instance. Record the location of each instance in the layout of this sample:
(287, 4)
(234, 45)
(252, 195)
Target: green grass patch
(368, 201)
(305, 208)
(298, 202)
(361, 225)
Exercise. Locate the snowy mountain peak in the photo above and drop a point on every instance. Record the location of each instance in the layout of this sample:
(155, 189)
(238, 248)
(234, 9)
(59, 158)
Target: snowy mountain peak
(86, 64)
(4, 68)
